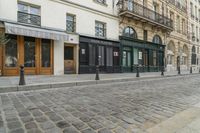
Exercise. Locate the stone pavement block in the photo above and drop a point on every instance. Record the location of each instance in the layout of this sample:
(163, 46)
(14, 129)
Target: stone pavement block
(70, 130)
(47, 125)
(89, 130)
(104, 131)
(14, 125)
(20, 130)
(30, 125)
(62, 124)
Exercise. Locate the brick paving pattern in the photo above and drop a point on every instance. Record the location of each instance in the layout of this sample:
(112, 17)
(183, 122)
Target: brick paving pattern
(129, 107)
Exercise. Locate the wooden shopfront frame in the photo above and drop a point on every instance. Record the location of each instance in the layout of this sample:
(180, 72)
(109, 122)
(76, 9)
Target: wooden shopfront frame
(38, 69)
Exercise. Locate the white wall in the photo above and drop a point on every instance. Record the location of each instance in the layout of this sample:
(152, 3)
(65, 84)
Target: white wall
(53, 15)
(58, 57)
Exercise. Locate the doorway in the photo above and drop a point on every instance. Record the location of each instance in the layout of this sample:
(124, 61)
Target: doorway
(34, 53)
(69, 63)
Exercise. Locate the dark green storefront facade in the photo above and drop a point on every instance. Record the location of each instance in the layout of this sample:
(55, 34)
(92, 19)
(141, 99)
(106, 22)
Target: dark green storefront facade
(149, 56)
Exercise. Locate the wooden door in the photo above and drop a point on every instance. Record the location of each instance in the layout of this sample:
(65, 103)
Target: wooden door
(69, 64)
(30, 55)
(46, 57)
(10, 56)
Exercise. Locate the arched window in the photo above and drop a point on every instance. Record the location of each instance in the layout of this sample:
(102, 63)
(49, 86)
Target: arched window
(185, 55)
(130, 32)
(170, 53)
(194, 55)
(157, 39)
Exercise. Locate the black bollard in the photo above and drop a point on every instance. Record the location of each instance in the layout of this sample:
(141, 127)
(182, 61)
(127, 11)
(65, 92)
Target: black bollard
(22, 79)
(162, 71)
(191, 70)
(97, 73)
(179, 70)
(138, 71)
(199, 70)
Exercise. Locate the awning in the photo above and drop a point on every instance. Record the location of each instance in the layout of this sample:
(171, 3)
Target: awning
(23, 30)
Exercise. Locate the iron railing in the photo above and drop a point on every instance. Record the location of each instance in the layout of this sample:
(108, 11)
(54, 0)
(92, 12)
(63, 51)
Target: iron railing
(29, 18)
(142, 11)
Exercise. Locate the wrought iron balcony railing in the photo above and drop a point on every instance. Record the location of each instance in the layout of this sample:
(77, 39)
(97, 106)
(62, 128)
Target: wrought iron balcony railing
(29, 18)
(138, 10)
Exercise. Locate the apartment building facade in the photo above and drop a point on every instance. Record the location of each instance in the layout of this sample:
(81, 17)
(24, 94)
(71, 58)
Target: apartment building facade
(194, 32)
(49, 36)
(144, 27)
(178, 47)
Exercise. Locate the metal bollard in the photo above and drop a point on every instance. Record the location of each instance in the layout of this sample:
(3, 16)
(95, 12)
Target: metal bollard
(97, 73)
(179, 70)
(22, 79)
(138, 71)
(162, 71)
(190, 70)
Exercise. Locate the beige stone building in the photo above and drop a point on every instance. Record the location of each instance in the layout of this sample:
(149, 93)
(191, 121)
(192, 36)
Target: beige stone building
(194, 32)
(144, 28)
(178, 48)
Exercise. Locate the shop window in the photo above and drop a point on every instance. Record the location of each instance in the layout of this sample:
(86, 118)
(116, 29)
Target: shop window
(170, 59)
(71, 23)
(92, 55)
(83, 54)
(11, 52)
(130, 32)
(194, 55)
(29, 52)
(46, 53)
(127, 57)
(109, 56)
(29, 14)
(154, 58)
(101, 55)
(69, 53)
(157, 39)
(100, 29)
(135, 56)
(145, 35)
(116, 57)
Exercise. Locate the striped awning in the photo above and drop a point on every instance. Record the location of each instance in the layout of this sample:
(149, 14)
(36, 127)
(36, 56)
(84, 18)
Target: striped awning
(37, 32)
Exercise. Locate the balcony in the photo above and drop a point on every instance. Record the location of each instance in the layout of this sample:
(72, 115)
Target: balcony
(139, 12)
(29, 18)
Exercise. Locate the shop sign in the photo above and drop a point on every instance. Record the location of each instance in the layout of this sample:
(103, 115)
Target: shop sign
(82, 51)
(116, 54)
(140, 56)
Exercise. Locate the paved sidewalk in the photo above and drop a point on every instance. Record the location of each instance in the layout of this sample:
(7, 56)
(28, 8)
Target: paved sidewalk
(34, 82)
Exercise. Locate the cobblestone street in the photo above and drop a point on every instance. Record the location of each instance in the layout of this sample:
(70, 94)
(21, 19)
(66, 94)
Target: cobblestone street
(128, 107)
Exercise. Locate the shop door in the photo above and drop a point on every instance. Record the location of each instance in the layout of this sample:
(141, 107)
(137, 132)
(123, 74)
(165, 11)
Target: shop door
(31, 55)
(69, 60)
(10, 56)
(46, 57)
(126, 61)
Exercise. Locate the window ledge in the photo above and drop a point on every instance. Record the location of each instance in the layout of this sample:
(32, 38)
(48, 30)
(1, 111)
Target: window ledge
(103, 4)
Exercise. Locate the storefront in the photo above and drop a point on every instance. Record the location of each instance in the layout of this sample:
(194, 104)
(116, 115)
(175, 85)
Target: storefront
(95, 51)
(150, 56)
(41, 51)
